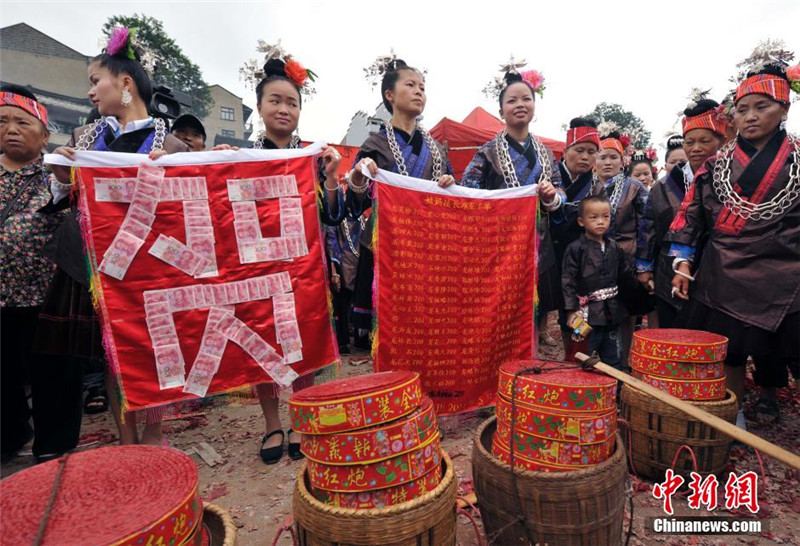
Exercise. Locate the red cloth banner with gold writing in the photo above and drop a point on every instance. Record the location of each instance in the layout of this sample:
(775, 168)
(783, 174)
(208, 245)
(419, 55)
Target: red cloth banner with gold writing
(207, 269)
(455, 275)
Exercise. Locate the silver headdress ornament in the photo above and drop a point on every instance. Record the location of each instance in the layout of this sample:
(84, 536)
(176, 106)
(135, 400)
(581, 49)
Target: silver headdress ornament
(696, 96)
(513, 65)
(380, 66)
(494, 87)
(768, 52)
(374, 72)
(672, 135)
(252, 71)
(605, 128)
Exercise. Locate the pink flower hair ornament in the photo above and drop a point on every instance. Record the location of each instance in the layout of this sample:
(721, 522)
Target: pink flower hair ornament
(793, 75)
(121, 39)
(535, 80)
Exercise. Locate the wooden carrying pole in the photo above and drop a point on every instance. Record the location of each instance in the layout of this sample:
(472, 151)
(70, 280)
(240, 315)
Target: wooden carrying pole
(776, 452)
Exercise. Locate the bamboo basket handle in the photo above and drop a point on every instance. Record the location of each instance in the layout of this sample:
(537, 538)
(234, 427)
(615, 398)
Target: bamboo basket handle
(776, 452)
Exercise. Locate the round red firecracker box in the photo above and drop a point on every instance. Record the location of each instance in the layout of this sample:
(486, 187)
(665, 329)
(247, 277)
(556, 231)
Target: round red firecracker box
(501, 451)
(355, 402)
(676, 370)
(373, 444)
(138, 495)
(547, 451)
(569, 427)
(560, 386)
(381, 498)
(389, 472)
(680, 345)
(708, 389)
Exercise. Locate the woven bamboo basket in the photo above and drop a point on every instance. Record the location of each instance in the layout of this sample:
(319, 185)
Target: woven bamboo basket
(429, 520)
(657, 431)
(219, 525)
(584, 507)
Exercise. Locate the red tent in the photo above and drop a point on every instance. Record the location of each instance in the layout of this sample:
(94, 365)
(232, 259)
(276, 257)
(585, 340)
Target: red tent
(478, 128)
(481, 118)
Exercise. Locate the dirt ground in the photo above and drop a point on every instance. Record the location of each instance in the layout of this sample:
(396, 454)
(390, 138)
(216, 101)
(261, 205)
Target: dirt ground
(259, 497)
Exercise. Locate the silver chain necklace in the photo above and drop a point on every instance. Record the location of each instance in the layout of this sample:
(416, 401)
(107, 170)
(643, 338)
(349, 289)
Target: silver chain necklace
(616, 193)
(353, 248)
(398, 157)
(88, 138)
(507, 166)
(748, 210)
(259, 143)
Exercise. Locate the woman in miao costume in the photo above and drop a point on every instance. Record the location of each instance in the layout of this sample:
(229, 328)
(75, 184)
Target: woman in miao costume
(675, 154)
(515, 157)
(402, 146)
(628, 198)
(642, 167)
(577, 180)
(121, 91)
(704, 125)
(746, 202)
(280, 87)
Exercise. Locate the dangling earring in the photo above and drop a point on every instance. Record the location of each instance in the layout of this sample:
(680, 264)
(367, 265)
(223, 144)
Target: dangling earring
(783, 122)
(127, 98)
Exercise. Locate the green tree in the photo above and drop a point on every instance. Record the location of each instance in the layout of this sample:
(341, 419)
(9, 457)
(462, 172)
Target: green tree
(174, 69)
(628, 122)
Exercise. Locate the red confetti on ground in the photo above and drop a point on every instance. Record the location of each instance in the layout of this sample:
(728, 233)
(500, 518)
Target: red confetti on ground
(216, 491)
(102, 436)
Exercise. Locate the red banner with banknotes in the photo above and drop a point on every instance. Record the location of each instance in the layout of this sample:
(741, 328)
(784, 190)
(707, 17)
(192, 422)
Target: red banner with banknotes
(208, 269)
(455, 274)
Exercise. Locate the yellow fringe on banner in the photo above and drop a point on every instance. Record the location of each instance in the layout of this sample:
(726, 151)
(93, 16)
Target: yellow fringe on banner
(374, 333)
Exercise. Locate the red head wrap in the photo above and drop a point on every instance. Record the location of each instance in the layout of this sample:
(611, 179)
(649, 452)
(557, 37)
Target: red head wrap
(714, 120)
(764, 84)
(29, 105)
(613, 144)
(583, 134)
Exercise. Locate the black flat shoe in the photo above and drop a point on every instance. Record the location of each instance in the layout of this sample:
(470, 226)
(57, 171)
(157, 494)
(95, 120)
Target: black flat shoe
(294, 450)
(271, 455)
(47, 457)
(96, 401)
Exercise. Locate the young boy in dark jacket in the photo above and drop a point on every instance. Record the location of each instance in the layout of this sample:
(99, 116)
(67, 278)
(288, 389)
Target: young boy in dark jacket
(594, 267)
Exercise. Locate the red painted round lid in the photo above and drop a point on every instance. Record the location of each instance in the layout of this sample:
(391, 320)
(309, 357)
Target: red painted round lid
(680, 345)
(353, 387)
(680, 336)
(556, 373)
(108, 495)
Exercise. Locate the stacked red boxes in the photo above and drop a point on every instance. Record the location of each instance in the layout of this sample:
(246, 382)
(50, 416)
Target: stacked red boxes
(371, 441)
(563, 418)
(688, 364)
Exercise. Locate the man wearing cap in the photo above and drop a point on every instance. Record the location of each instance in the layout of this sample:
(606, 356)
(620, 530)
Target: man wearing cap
(191, 131)
(25, 274)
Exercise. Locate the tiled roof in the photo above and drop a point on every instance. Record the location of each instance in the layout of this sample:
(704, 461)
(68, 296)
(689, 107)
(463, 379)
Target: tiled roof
(25, 38)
